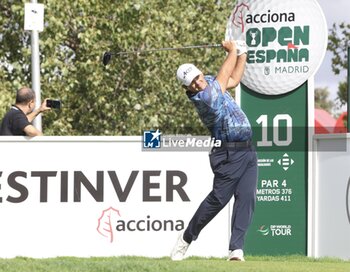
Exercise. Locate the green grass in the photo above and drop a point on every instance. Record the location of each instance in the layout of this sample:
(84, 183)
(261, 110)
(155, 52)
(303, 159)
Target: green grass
(133, 264)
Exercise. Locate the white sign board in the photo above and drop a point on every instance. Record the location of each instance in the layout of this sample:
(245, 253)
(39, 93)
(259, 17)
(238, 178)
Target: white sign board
(33, 16)
(332, 197)
(101, 196)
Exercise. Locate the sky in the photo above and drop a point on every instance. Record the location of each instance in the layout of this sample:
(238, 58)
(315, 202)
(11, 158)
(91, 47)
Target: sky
(335, 11)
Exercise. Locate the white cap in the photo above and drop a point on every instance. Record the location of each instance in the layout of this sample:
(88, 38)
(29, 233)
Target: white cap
(186, 73)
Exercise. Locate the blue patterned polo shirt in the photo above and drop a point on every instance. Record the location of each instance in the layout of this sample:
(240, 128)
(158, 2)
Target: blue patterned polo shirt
(221, 115)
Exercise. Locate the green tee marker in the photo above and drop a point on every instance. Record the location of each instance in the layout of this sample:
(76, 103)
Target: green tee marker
(287, 41)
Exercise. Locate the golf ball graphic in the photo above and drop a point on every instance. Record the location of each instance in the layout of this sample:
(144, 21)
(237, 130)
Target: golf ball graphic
(286, 41)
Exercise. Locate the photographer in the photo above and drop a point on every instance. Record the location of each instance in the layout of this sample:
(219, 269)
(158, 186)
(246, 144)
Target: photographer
(17, 121)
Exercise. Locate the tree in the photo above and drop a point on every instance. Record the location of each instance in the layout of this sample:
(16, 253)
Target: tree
(322, 99)
(133, 92)
(337, 44)
(343, 92)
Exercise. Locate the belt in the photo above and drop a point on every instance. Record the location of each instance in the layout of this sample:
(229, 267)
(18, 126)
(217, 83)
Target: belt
(236, 144)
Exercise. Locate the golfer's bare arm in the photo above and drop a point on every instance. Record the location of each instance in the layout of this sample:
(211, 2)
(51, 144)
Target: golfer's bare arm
(237, 72)
(228, 66)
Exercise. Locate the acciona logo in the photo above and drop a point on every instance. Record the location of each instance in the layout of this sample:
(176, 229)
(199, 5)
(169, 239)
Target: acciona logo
(285, 44)
(149, 224)
(270, 17)
(113, 221)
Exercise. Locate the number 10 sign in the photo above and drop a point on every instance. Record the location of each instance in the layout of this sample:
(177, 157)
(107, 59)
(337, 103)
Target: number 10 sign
(280, 134)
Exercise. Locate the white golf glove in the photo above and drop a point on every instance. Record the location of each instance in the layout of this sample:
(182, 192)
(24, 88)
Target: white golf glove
(241, 47)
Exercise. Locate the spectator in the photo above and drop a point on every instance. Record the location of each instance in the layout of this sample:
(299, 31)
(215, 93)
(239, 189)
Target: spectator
(18, 120)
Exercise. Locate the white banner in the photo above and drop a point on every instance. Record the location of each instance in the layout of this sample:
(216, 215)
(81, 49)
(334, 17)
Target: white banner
(331, 191)
(101, 196)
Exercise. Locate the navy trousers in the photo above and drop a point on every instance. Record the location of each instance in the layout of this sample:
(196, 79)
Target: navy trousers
(235, 174)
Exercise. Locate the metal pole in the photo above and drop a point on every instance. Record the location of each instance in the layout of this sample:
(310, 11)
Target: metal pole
(348, 104)
(36, 73)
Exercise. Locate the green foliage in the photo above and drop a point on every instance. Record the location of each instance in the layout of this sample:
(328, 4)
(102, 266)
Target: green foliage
(338, 44)
(13, 44)
(343, 92)
(133, 92)
(322, 100)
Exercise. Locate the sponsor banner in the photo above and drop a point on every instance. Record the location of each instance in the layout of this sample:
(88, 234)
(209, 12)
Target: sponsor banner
(101, 196)
(331, 188)
(286, 45)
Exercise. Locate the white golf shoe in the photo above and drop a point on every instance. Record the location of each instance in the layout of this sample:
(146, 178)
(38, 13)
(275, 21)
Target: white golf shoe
(179, 251)
(236, 255)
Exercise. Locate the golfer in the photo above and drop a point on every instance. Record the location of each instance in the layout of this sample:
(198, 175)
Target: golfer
(234, 164)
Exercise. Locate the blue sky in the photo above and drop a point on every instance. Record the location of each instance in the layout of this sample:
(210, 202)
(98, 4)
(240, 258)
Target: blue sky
(336, 11)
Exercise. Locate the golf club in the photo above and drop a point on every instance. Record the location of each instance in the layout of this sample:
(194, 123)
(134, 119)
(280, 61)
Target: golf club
(108, 55)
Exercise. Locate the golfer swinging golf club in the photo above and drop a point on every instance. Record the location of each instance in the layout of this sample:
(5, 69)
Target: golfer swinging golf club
(234, 164)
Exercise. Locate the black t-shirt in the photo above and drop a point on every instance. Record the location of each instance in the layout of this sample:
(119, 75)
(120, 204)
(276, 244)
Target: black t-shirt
(14, 123)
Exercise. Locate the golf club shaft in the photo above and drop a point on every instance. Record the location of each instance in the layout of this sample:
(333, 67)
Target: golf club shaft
(168, 49)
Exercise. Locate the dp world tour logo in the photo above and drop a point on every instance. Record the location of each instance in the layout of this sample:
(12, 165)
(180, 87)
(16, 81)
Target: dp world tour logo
(264, 230)
(151, 138)
(275, 230)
